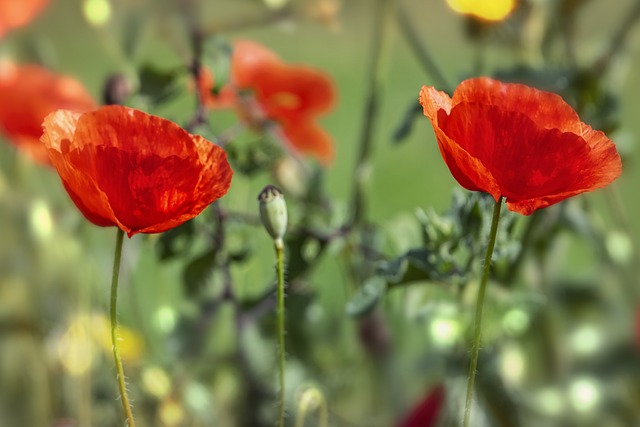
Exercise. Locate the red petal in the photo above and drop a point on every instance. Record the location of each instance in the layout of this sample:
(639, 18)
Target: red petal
(432, 101)
(73, 165)
(248, 60)
(534, 167)
(308, 137)
(289, 92)
(465, 168)
(514, 141)
(547, 110)
(225, 98)
(16, 13)
(28, 94)
(140, 172)
(427, 411)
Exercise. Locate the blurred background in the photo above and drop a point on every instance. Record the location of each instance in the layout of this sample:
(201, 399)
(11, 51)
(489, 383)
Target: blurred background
(373, 328)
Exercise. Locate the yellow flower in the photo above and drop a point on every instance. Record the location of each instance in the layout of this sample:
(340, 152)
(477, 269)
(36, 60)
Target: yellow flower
(489, 10)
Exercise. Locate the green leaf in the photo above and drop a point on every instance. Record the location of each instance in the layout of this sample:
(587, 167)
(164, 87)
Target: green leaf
(157, 85)
(416, 265)
(367, 297)
(302, 251)
(197, 272)
(175, 241)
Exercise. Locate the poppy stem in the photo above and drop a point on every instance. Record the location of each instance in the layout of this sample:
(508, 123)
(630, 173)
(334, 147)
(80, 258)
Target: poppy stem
(379, 58)
(477, 321)
(122, 384)
(279, 246)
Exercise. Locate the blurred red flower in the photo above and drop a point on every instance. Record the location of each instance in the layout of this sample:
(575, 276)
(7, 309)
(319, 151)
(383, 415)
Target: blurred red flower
(141, 173)
(16, 13)
(427, 410)
(291, 95)
(28, 94)
(515, 141)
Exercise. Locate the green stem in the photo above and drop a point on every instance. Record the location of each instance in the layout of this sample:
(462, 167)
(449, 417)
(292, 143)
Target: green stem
(279, 245)
(122, 385)
(477, 321)
(419, 48)
(312, 399)
(380, 51)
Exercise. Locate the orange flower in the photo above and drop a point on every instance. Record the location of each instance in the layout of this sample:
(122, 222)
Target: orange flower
(16, 13)
(141, 173)
(28, 93)
(515, 141)
(291, 95)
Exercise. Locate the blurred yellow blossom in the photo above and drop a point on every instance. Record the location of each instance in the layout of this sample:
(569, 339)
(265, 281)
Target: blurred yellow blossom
(490, 10)
(86, 334)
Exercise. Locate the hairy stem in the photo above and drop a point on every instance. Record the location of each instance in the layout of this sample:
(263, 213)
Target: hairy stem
(477, 321)
(279, 245)
(122, 385)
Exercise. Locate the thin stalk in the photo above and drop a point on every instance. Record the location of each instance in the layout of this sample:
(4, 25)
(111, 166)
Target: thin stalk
(279, 245)
(310, 400)
(477, 321)
(122, 383)
(420, 50)
(618, 40)
(381, 30)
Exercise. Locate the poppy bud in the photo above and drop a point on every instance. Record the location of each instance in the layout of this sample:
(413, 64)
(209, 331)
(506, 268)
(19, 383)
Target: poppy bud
(116, 90)
(273, 212)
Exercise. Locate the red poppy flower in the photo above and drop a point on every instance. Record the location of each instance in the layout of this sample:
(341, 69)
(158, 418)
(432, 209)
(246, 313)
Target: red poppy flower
(517, 142)
(427, 411)
(28, 94)
(291, 95)
(141, 173)
(16, 13)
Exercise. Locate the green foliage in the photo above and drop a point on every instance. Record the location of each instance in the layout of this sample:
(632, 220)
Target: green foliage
(379, 306)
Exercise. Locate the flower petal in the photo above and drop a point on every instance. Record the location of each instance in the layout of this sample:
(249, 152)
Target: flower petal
(432, 101)
(518, 142)
(545, 109)
(290, 92)
(308, 137)
(76, 168)
(465, 168)
(140, 172)
(248, 60)
(28, 94)
(16, 13)
(529, 162)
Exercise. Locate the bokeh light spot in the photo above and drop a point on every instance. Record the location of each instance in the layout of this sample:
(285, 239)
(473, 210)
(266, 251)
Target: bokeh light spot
(97, 12)
(584, 394)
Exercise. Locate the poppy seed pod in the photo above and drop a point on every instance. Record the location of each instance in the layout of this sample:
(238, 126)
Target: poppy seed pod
(273, 212)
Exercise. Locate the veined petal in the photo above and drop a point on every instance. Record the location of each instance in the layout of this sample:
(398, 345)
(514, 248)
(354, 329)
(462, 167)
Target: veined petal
(547, 110)
(139, 172)
(518, 142)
